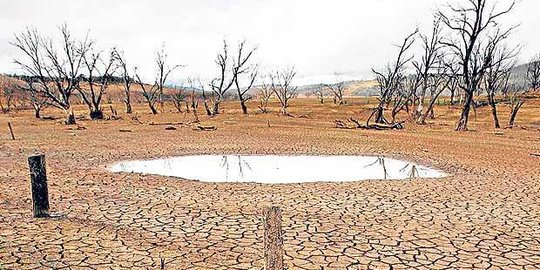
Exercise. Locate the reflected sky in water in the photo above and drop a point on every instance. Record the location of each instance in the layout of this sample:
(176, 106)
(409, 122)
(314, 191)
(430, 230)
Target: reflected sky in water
(274, 169)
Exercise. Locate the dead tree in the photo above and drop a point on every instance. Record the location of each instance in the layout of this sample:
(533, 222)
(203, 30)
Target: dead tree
(126, 79)
(150, 93)
(319, 92)
(471, 25)
(390, 79)
(99, 73)
(178, 97)
(281, 81)
(453, 87)
(240, 67)
(264, 94)
(56, 69)
(8, 94)
(516, 102)
(438, 81)
(35, 97)
(163, 72)
(205, 101)
(337, 89)
(405, 95)
(533, 73)
(221, 85)
(194, 104)
(497, 77)
(430, 60)
(196, 84)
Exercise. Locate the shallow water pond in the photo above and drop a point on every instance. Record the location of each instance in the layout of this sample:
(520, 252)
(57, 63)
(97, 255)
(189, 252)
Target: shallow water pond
(275, 169)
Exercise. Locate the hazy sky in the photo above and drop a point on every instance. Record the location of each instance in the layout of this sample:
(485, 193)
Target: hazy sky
(318, 37)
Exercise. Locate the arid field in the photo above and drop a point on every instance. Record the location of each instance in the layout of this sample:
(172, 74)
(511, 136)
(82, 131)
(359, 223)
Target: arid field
(486, 214)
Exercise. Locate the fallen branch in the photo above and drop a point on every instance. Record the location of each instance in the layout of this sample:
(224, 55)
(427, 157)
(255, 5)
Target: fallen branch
(376, 126)
(342, 125)
(166, 124)
(535, 154)
(205, 128)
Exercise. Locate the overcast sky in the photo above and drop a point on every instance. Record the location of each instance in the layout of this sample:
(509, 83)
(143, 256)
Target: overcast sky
(318, 37)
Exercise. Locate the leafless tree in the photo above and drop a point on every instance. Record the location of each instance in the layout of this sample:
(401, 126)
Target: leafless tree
(453, 87)
(221, 85)
(405, 94)
(178, 97)
(163, 72)
(319, 92)
(429, 61)
(241, 66)
(516, 102)
(126, 78)
(265, 93)
(56, 69)
(281, 85)
(99, 73)
(150, 93)
(8, 93)
(35, 97)
(154, 93)
(391, 79)
(497, 77)
(337, 89)
(439, 80)
(472, 23)
(192, 100)
(533, 73)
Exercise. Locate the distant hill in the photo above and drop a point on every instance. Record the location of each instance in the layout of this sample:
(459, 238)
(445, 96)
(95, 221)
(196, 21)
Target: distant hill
(352, 88)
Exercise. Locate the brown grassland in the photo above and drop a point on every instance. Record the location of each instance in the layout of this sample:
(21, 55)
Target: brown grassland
(486, 214)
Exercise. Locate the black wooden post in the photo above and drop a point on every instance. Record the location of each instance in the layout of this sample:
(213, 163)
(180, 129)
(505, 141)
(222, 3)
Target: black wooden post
(11, 131)
(273, 239)
(40, 193)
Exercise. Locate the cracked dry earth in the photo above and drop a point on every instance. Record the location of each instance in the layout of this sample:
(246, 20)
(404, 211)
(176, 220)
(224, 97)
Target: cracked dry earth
(486, 215)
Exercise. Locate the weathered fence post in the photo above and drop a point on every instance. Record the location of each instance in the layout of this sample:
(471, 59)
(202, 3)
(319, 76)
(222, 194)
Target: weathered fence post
(273, 239)
(11, 131)
(40, 193)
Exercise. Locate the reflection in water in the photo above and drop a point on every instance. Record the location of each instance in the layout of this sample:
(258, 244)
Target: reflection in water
(241, 164)
(279, 169)
(380, 161)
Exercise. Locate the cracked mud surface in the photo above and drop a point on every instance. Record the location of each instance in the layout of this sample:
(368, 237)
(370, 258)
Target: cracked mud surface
(485, 215)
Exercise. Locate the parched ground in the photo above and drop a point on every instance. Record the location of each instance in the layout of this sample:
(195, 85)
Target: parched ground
(486, 215)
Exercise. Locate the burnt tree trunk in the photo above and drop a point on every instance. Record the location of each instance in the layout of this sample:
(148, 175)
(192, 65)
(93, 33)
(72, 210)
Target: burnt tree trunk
(40, 193)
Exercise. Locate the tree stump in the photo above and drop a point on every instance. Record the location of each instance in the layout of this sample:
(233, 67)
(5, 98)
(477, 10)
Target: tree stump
(40, 193)
(273, 239)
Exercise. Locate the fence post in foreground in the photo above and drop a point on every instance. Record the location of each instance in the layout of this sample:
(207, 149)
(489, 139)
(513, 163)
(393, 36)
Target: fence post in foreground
(273, 239)
(40, 193)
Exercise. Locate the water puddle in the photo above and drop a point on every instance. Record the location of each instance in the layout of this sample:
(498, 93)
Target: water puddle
(273, 169)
